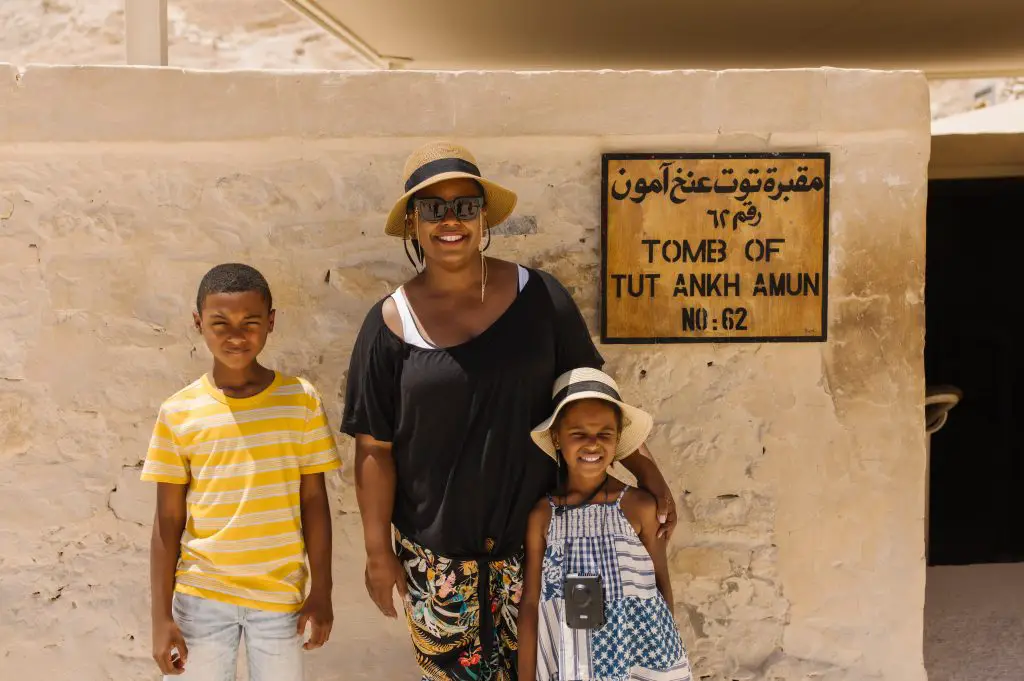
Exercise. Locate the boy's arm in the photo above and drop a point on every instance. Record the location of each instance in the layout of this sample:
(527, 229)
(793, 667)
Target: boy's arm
(168, 525)
(319, 456)
(318, 609)
(650, 535)
(641, 464)
(375, 493)
(529, 605)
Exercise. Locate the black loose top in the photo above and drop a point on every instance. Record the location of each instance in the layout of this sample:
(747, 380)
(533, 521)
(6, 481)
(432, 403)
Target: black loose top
(459, 418)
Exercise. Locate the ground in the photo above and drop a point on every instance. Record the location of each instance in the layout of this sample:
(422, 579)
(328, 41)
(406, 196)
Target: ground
(974, 623)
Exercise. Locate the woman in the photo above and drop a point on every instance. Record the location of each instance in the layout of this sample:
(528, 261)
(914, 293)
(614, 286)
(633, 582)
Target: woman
(447, 378)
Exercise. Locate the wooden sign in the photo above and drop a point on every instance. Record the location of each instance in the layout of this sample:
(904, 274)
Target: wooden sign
(714, 247)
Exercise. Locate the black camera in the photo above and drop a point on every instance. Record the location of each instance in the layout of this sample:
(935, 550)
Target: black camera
(584, 601)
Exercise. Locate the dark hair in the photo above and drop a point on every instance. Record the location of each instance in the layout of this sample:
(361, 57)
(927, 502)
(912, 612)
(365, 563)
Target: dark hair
(233, 278)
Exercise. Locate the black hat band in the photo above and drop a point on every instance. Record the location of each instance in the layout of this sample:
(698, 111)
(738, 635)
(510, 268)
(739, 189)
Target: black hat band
(585, 387)
(441, 165)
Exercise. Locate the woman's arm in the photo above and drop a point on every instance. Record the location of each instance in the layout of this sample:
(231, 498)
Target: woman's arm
(641, 464)
(529, 605)
(375, 494)
(650, 535)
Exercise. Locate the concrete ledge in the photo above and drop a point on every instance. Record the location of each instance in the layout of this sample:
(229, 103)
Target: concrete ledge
(961, 156)
(166, 104)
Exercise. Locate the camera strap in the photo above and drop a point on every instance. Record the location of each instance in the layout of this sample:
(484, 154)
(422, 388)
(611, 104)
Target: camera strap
(562, 508)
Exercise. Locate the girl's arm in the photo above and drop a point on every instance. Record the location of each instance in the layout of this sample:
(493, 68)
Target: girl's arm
(529, 605)
(647, 508)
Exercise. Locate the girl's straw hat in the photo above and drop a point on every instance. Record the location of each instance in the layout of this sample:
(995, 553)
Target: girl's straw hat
(584, 384)
(439, 161)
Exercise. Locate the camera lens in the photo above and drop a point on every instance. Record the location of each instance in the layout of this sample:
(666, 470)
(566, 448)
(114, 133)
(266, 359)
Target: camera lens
(581, 595)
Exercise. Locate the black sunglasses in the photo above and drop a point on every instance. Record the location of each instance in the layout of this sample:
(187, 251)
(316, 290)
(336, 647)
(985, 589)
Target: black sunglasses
(435, 210)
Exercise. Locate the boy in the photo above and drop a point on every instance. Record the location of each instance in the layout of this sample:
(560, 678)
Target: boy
(239, 457)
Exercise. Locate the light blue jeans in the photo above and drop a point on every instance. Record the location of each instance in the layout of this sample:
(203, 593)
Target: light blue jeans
(212, 630)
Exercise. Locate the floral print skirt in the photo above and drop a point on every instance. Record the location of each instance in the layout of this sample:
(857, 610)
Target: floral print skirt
(453, 638)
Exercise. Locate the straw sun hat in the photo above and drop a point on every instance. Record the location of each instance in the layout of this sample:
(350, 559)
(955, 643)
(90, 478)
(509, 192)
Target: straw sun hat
(583, 384)
(439, 161)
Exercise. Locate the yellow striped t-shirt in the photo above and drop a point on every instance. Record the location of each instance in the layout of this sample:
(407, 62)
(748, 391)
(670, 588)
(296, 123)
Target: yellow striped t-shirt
(242, 459)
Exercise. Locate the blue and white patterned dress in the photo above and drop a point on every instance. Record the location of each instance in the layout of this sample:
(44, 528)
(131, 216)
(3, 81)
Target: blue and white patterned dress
(639, 640)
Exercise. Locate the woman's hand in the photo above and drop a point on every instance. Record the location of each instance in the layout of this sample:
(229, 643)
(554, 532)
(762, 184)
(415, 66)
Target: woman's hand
(666, 506)
(384, 573)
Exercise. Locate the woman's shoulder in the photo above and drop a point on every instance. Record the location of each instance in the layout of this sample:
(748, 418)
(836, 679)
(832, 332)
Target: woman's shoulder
(376, 328)
(551, 289)
(549, 282)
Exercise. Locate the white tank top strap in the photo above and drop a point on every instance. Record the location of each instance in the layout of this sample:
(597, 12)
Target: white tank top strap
(524, 276)
(410, 333)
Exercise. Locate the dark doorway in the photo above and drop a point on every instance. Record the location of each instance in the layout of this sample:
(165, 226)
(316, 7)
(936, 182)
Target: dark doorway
(974, 277)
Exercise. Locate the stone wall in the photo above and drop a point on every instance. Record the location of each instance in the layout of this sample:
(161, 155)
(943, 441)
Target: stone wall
(799, 468)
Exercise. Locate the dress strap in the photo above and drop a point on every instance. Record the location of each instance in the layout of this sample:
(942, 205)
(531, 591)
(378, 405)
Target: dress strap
(524, 276)
(618, 501)
(410, 332)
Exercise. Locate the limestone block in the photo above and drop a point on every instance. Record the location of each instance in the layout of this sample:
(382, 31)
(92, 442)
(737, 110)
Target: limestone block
(865, 100)
(326, 105)
(701, 562)
(16, 424)
(754, 102)
(22, 308)
(132, 499)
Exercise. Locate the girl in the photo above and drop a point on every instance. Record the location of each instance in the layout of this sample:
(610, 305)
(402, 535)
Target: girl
(597, 599)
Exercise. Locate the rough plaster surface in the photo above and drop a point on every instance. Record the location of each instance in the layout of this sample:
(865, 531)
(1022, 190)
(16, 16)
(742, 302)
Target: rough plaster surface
(799, 468)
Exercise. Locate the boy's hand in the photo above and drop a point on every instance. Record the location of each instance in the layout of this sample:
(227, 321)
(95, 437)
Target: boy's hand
(384, 573)
(318, 611)
(166, 638)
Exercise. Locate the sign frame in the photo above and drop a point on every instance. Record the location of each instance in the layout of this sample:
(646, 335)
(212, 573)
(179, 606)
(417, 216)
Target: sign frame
(607, 158)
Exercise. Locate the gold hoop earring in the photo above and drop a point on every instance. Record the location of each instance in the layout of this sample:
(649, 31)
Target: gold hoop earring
(485, 227)
(483, 260)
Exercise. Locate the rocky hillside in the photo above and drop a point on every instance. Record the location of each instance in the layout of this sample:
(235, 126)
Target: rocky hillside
(209, 34)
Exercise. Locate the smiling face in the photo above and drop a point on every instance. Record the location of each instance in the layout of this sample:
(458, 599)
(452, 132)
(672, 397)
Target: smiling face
(587, 433)
(235, 326)
(450, 240)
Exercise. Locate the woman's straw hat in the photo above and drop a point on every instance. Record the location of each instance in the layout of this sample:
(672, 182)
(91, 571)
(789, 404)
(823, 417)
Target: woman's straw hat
(439, 161)
(591, 384)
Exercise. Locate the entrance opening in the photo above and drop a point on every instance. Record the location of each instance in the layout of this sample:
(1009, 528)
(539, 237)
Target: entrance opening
(974, 602)
(973, 311)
